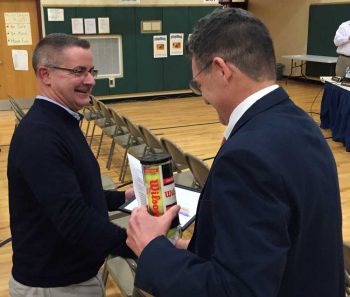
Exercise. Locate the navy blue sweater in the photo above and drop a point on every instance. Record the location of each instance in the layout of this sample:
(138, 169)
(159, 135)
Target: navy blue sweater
(58, 209)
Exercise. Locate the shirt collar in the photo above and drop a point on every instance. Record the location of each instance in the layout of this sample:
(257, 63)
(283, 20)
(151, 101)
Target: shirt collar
(241, 108)
(76, 115)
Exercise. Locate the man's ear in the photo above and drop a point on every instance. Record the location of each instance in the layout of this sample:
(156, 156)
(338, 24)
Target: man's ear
(44, 75)
(223, 68)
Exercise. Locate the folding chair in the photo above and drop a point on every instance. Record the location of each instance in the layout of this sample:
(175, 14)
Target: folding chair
(106, 123)
(121, 136)
(136, 146)
(153, 143)
(90, 114)
(100, 120)
(19, 113)
(199, 169)
(346, 255)
(184, 178)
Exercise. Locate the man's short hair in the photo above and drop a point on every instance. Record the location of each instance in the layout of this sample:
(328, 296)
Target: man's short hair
(239, 38)
(48, 50)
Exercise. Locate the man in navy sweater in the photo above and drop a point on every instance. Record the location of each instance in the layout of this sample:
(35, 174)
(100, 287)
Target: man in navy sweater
(58, 209)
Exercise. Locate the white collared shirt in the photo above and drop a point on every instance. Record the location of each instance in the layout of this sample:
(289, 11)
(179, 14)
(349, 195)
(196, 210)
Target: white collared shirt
(76, 115)
(241, 108)
(341, 39)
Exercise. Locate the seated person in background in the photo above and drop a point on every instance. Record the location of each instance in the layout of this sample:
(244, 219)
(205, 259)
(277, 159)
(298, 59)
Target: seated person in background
(268, 221)
(58, 209)
(342, 41)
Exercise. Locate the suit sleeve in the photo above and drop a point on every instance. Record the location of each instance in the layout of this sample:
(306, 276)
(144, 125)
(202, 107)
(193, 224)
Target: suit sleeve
(246, 200)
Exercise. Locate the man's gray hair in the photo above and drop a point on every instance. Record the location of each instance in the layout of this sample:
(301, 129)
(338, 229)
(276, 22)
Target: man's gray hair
(49, 49)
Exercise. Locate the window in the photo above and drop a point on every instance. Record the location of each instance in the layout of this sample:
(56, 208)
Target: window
(108, 56)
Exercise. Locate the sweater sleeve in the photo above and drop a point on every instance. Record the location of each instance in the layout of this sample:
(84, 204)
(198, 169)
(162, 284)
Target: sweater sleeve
(114, 199)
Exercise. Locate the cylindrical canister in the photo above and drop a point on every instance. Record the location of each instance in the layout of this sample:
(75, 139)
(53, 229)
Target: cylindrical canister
(160, 187)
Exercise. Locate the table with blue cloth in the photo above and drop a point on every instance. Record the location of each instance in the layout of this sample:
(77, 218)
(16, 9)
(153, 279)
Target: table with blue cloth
(335, 112)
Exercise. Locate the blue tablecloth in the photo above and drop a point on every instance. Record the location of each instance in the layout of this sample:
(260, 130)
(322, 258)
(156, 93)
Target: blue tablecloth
(335, 113)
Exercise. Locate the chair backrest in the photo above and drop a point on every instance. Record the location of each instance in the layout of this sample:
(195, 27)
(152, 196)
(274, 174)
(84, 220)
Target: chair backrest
(95, 104)
(199, 169)
(346, 253)
(133, 129)
(117, 118)
(104, 110)
(16, 108)
(105, 113)
(151, 140)
(19, 113)
(176, 153)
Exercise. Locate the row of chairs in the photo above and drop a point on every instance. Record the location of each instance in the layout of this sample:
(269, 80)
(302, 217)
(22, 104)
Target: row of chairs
(139, 141)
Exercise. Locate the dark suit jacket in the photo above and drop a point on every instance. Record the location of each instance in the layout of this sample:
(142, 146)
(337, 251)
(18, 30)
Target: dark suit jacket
(269, 217)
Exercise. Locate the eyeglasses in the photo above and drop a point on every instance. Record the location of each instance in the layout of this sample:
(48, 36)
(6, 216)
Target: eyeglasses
(77, 71)
(194, 85)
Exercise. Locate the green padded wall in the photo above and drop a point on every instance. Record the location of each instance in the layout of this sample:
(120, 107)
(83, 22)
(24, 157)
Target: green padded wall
(324, 20)
(142, 73)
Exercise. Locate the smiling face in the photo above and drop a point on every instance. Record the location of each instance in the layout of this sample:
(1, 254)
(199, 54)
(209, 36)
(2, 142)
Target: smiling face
(67, 88)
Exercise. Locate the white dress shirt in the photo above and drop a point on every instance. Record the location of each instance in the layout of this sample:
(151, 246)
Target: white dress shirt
(341, 39)
(241, 108)
(76, 115)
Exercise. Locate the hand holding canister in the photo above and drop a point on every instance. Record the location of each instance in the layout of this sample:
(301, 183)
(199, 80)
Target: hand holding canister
(160, 187)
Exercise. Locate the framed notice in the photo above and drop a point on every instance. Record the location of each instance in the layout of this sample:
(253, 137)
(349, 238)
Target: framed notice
(77, 26)
(90, 26)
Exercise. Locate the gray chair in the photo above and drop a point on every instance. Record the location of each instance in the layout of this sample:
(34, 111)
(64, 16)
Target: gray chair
(153, 143)
(183, 176)
(346, 255)
(19, 113)
(90, 114)
(199, 169)
(101, 121)
(122, 271)
(136, 147)
(106, 123)
(121, 136)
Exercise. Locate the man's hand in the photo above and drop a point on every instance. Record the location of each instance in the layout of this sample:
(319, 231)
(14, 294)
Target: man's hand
(143, 227)
(182, 243)
(129, 194)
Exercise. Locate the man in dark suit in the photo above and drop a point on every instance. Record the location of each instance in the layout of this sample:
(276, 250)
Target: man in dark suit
(269, 216)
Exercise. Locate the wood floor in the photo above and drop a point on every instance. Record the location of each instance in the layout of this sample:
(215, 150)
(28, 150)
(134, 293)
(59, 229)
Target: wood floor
(190, 123)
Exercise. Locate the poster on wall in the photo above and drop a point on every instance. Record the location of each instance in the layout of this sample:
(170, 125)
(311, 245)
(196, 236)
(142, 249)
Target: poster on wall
(103, 26)
(18, 29)
(90, 26)
(55, 14)
(20, 59)
(176, 44)
(160, 48)
(77, 26)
